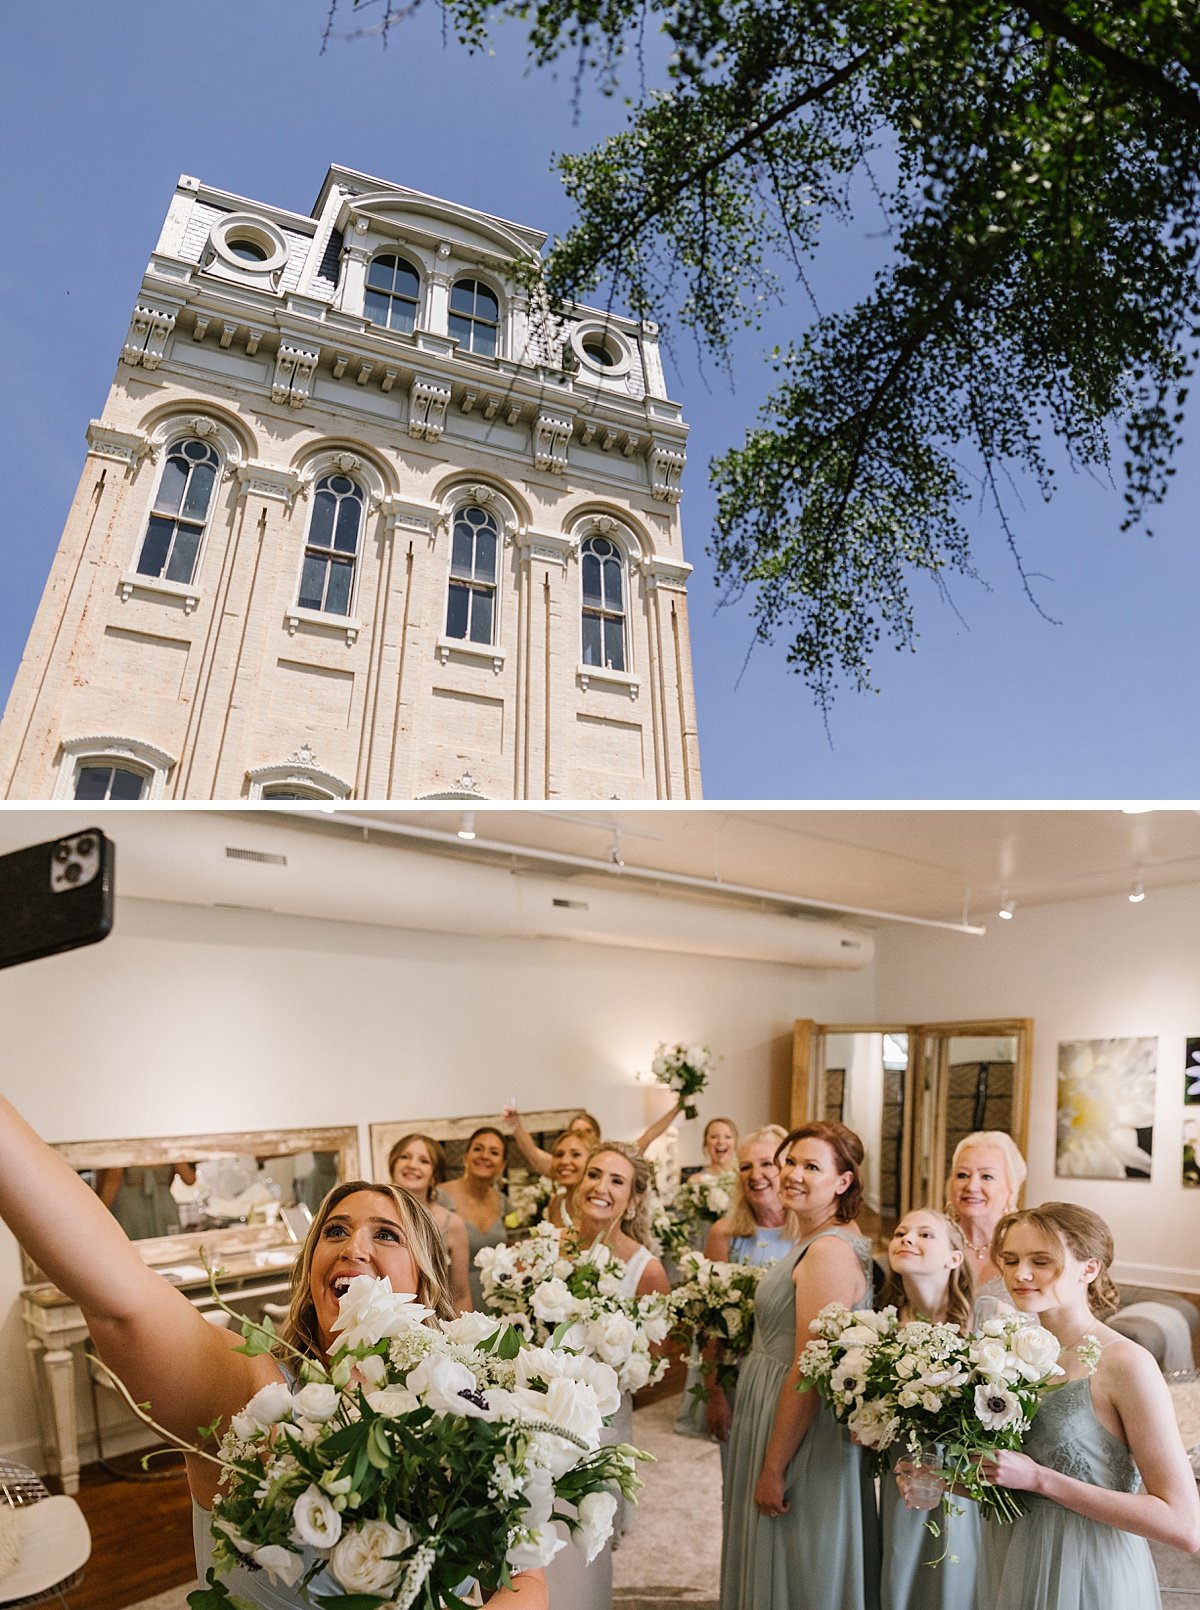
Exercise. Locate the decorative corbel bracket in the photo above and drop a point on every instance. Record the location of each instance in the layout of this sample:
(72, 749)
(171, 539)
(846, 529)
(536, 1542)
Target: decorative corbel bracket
(130, 447)
(427, 403)
(147, 339)
(666, 471)
(550, 438)
(294, 369)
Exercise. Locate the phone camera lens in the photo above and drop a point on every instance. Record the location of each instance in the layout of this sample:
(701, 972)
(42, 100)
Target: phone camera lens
(85, 846)
(73, 873)
(62, 852)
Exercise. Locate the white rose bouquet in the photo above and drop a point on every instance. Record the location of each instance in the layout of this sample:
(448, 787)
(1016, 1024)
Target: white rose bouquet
(684, 1069)
(715, 1302)
(575, 1303)
(921, 1387)
(419, 1457)
(529, 1199)
(697, 1204)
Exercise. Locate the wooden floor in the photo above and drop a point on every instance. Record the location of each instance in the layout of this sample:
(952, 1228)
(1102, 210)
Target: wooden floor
(141, 1538)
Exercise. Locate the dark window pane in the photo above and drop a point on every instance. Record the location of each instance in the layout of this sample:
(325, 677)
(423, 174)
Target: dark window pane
(462, 557)
(320, 533)
(195, 504)
(614, 644)
(153, 556)
(462, 297)
(92, 782)
(456, 611)
(481, 617)
(382, 272)
(337, 598)
(249, 250)
(486, 305)
(485, 556)
(403, 316)
(170, 490)
(612, 583)
(126, 784)
(182, 564)
(312, 582)
(346, 540)
(591, 640)
(376, 306)
(460, 329)
(484, 341)
(591, 578)
(407, 282)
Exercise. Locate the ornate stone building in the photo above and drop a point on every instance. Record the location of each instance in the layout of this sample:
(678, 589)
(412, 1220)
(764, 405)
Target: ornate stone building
(361, 521)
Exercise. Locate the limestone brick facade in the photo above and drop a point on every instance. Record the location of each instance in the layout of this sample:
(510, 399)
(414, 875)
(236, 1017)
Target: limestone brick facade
(361, 521)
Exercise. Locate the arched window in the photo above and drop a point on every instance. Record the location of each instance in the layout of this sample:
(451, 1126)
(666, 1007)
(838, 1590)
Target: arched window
(393, 294)
(95, 780)
(471, 605)
(171, 545)
(327, 580)
(474, 317)
(603, 572)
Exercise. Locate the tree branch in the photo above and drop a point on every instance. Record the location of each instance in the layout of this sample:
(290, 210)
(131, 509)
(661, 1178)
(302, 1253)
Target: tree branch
(1052, 18)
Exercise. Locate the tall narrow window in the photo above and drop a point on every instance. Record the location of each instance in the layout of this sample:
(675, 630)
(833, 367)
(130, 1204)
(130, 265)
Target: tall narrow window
(171, 545)
(474, 317)
(471, 607)
(98, 781)
(603, 604)
(327, 581)
(393, 294)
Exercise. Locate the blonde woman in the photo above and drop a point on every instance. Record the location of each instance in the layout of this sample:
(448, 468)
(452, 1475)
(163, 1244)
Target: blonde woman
(190, 1372)
(987, 1172)
(417, 1164)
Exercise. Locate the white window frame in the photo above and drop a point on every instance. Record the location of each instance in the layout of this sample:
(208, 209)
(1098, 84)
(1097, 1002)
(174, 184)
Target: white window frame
(350, 462)
(478, 277)
(500, 506)
(317, 783)
(109, 749)
(422, 281)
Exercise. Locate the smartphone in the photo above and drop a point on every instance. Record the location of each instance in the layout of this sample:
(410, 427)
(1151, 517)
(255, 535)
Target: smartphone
(55, 896)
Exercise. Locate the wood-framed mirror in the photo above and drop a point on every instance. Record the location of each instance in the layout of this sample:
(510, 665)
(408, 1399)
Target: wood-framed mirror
(240, 1198)
(912, 1091)
(544, 1125)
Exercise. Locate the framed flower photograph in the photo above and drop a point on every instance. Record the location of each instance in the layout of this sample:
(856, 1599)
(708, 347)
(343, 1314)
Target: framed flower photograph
(1106, 1108)
(1191, 1073)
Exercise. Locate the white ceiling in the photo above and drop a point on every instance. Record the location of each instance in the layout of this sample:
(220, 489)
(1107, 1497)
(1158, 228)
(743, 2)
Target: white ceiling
(939, 865)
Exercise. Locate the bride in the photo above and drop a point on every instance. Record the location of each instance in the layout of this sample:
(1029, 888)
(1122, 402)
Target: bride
(169, 1356)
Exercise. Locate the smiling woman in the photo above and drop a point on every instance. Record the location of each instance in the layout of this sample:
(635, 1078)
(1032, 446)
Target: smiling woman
(191, 1373)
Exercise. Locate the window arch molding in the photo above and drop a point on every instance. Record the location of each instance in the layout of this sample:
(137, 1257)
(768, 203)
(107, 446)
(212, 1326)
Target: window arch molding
(308, 780)
(193, 453)
(343, 458)
(488, 495)
(205, 426)
(329, 573)
(130, 755)
(609, 555)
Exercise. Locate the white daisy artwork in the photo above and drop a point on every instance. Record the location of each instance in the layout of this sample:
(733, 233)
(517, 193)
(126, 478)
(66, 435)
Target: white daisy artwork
(1191, 1073)
(1106, 1108)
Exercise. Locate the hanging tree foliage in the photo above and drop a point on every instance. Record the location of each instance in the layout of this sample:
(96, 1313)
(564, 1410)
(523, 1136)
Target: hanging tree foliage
(1042, 162)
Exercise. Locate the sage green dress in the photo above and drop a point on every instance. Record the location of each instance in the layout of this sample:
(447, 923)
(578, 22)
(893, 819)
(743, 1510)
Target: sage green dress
(1051, 1558)
(911, 1580)
(824, 1553)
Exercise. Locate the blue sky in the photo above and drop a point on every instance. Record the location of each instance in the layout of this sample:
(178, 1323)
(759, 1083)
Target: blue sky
(106, 104)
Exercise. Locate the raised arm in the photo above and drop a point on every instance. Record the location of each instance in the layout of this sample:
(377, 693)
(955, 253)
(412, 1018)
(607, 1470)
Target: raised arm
(1128, 1387)
(144, 1329)
(654, 1130)
(829, 1272)
(538, 1159)
(460, 1263)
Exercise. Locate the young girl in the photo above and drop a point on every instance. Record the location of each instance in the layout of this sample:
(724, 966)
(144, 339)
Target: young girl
(1081, 1542)
(168, 1355)
(928, 1280)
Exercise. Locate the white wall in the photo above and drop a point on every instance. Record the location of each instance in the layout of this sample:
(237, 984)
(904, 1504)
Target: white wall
(190, 1019)
(1084, 970)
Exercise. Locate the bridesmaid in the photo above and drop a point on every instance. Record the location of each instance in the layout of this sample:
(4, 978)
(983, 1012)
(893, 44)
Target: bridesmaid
(610, 1207)
(928, 1280)
(801, 1528)
(417, 1164)
(586, 1127)
(987, 1172)
(1082, 1542)
(567, 1158)
(720, 1146)
(476, 1197)
(754, 1231)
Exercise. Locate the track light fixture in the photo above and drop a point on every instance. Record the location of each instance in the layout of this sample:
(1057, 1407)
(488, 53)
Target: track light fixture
(1137, 893)
(1007, 907)
(466, 828)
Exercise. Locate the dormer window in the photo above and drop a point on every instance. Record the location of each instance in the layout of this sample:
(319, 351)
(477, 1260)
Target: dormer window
(246, 244)
(393, 294)
(475, 318)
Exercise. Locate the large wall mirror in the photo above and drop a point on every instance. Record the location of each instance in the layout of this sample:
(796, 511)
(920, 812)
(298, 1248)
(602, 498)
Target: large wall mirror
(187, 1198)
(912, 1091)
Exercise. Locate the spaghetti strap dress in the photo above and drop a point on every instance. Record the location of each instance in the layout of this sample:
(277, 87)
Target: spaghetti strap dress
(1051, 1558)
(495, 1236)
(921, 1571)
(823, 1554)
